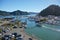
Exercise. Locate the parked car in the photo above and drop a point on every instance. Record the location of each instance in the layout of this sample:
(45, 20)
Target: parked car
(15, 34)
(19, 38)
(19, 35)
(4, 31)
(14, 27)
(20, 27)
(30, 38)
(6, 37)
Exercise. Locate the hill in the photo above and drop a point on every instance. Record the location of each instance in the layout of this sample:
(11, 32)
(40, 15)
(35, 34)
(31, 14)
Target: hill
(17, 12)
(50, 10)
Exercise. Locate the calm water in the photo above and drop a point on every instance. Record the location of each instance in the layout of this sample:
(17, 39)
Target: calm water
(47, 32)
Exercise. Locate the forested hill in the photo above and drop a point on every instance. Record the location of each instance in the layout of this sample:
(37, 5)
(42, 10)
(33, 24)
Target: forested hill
(17, 12)
(50, 10)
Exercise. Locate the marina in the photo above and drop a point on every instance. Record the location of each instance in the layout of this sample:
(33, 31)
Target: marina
(44, 30)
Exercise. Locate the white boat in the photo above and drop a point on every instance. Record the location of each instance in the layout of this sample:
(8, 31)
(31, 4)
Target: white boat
(38, 25)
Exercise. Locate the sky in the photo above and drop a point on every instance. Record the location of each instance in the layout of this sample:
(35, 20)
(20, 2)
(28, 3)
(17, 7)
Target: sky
(26, 5)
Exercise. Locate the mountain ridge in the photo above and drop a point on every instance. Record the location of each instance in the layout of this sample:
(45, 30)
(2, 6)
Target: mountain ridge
(17, 12)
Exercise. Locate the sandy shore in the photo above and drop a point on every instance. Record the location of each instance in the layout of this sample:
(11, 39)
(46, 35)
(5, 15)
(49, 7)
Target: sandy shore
(25, 36)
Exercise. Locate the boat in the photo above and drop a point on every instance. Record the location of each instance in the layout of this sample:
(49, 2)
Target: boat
(36, 21)
(38, 25)
(31, 18)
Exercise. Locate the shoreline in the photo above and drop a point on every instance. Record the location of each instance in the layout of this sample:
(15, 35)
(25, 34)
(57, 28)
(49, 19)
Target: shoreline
(33, 36)
(26, 35)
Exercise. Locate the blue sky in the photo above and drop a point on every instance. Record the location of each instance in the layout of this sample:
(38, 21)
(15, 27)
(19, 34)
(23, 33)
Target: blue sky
(26, 5)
